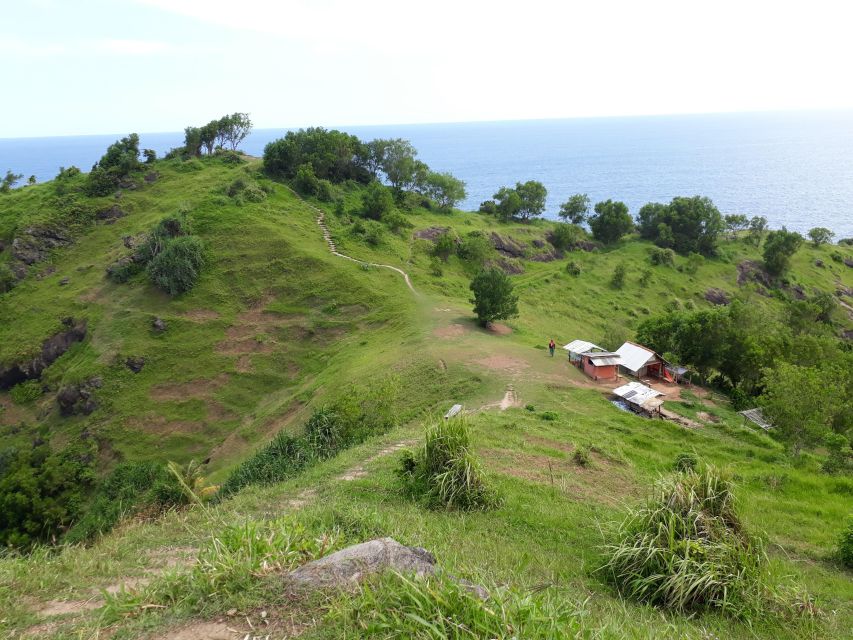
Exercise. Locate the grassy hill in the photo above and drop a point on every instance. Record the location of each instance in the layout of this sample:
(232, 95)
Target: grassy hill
(277, 326)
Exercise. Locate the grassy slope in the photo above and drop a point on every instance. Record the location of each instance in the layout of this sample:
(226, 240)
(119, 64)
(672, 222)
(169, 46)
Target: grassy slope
(549, 528)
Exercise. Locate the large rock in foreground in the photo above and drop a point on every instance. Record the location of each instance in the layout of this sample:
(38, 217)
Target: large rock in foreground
(347, 567)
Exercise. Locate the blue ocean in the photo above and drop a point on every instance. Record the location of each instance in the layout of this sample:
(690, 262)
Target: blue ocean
(794, 168)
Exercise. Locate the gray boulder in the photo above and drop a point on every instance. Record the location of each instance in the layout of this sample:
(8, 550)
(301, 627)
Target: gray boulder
(347, 567)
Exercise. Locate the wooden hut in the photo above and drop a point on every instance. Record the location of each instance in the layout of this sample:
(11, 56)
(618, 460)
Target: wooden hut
(641, 362)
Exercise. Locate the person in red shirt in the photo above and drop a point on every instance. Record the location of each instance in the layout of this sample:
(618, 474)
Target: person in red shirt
(551, 347)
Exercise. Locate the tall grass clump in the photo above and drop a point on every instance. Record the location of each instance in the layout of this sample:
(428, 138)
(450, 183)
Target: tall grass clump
(444, 472)
(687, 550)
(439, 609)
(845, 543)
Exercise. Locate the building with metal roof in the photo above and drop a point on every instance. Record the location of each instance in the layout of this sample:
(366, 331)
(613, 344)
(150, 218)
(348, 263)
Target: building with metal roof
(641, 361)
(577, 347)
(597, 363)
(757, 417)
(640, 398)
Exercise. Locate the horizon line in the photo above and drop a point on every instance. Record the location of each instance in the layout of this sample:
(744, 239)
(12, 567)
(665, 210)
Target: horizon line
(469, 122)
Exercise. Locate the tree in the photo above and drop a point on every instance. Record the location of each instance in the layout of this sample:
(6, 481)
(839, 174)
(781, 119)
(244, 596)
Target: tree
(192, 141)
(398, 163)
(208, 136)
(575, 209)
(493, 296)
(617, 280)
(475, 248)
(31, 180)
(177, 267)
(532, 194)
(736, 222)
(150, 156)
(120, 159)
(779, 247)
(444, 189)
(445, 246)
(685, 224)
(9, 181)
(821, 235)
(376, 201)
(507, 203)
(757, 229)
(235, 128)
(565, 236)
(801, 402)
(306, 182)
(611, 221)
(335, 155)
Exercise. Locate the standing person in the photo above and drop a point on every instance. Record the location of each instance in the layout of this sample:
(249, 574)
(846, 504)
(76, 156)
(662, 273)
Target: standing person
(551, 347)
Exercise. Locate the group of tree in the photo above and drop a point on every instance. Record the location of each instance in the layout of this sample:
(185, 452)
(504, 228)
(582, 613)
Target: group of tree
(10, 180)
(523, 202)
(226, 132)
(685, 225)
(337, 156)
(119, 162)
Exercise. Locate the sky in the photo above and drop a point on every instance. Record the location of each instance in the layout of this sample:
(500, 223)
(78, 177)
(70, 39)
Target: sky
(115, 66)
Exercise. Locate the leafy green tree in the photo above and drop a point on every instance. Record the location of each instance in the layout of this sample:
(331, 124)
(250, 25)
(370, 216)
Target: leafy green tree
(575, 209)
(150, 156)
(649, 219)
(757, 229)
(685, 224)
(507, 203)
(306, 182)
(533, 195)
(445, 189)
(611, 221)
(376, 201)
(399, 163)
(176, 268)
(735, 223)
(493, 296)
(779, 248)
(335, 155)
(475, 248)
(235, 128)
(9, 181)
(193, 141)
(119, 161)
(801, 402)
(617, 280)
(31, 180)
(564, 236)
(445, 246)
(488, 206)
(821, 235)
(374, 156)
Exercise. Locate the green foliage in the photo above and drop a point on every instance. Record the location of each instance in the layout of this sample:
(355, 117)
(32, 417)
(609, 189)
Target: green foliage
(687, 550)
(475, 248)
(177, 268)
(119, 161)
(685, 224)
(358, 414)
(9, 181)
(525, 201)
(662, 257)
(645, 278)
(370, 231)
(444, 473)
(839, 457)
(565, 236)
(445, 246)
(26, 392)
(150, 156)
(573, 268)
(440, 608)
(735, 223)
(575, 209)
(306, 182)
(617, 280)
(694, 262)
(611, 221)
(493, 296)
(7, 278)
(129, 488)
(228, 130)
(757, 230)
(376, 201)
(549, 416)
(821, 235)
(41, 491)
(445, 189)
(779, 247)
(488, 206)
(334, 155)
(582, 457)
(244, 189)
(845, 543)
(686, 462)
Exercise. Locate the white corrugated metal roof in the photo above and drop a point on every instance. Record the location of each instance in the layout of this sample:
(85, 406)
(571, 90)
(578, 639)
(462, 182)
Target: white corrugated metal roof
(634, 356)
(636, 393)
(756, 416)
(605, 359)
(581, 346)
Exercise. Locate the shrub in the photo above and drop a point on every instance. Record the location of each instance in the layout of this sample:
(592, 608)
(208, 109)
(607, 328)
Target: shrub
(845, 543)
(529, 407)
(435, 267)
(617, 280)
(7, 278)
(177, 268)
(549, 416)
(686, 548)
(444, 473)
(395, 221)
(840, 456)
(305, 181)
(474, 249)
(836, 256)
(779, 247)
(493, 296)
(150, 156)
(120, 159)
(26, 392)
(488, 206)
(694, 262)
(573, 268)
(662, 257)
(564, 236)
(645, 278)
(445, 246)
(376, 201)
(581, 457)
(685, 462)
(253, 193)
(610, 221)
(325, 192)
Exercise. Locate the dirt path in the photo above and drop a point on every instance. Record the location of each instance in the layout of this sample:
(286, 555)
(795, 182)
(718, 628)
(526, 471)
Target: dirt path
(327, 236)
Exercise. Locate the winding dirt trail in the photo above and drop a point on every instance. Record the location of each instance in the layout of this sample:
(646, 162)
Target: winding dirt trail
(327, 236)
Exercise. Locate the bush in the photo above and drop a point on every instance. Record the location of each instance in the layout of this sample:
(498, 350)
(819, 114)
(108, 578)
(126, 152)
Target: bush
(26, 392)
(573, 268)
(493, 296)
(687, 550)
(474, 249)
(325, 192)
(581, 457)
(836, 257)
(685, 462)
(7, 278)
(617, 280)
(395, 221)
(177, 268)
(840, 456)
(488, 206)
(779, 247)
(845, 544)
(376, 201)
(435, 267)
(662, 257)
(645, 278)
(445, 246)
(610, 221)
(564, 236)
(305, 181)
(549, 416)
(120, 159)
(444, 473)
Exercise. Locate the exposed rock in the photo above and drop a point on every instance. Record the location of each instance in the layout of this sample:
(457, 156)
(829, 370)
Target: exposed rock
(538, 243)
(751, 271)
(135, 363)
(507, 246)
(347, 567)
(111, 214)
(586, 245)
(818, 263)
(848, 262)
(127, 183)
(128, 241)
(159, 325)
(844, 291)
(51, 349)
(549, 255)
(507, 265)
(432, 233)
(717, 296)
(120, 264)
(797, 292)
(64, 281)
(35, 243)
(847, 334)
(151, 176)
(78, 399)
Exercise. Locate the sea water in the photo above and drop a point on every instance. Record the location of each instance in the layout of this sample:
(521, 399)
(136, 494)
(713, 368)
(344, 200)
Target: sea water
(795, 168)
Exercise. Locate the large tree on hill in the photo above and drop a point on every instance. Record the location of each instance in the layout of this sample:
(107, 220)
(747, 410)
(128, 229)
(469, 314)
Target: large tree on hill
(335, 155)
(821, 235)
(235, 128)
(736, 222)
(493, 296)
(575, 209)
(398, 162)
(525, 201)
(688, 225)
(611, 221)
(444, 188)
(779, 247)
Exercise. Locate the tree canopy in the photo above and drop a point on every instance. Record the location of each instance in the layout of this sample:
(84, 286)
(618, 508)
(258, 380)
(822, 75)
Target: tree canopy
(685, 224)
(493, 296)
(524, 201)
(575, 209)
(821, 235)
(334, 155)
(779, 247)
(611, 221)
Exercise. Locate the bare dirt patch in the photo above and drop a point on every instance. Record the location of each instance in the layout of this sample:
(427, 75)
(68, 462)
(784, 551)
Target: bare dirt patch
(53, 608)
(504, 363)
(498, 329)
(244, 364)
(203, 631)
(451, 331)
(177, 391)
(200, 315)
(158, 425)
(707, 417)
(360, 471)
(10, 413)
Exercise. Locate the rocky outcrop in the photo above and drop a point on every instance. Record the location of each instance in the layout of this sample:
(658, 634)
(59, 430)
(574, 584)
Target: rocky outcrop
(110, 214)
(751, 271)
(431, 234)
(717, 296)
(35, 244)
(548, 255)
(151, 176)
(507, 265)
(51, 349)
(135, 363)
(159, 325)
(78, 399)
(507, 246)
(848, 262)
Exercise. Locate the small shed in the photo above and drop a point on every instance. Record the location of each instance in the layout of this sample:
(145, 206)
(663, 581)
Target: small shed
(640, 398)
(601, 365)
(755, 416)
(576, 348)
(641, 361)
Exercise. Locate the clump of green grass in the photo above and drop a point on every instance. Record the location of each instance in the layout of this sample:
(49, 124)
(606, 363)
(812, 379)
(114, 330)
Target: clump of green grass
(444, 472)
(685, 462)
(26, 392)
(845, 544)
(581, 457)
(404, 607)
(687, 550)
(550, 416)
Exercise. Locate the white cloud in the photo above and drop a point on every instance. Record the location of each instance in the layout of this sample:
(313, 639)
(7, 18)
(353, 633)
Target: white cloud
(13, 46)
(132, 47)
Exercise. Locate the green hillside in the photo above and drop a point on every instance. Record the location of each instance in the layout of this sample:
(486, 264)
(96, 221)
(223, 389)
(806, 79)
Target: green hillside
(278, 327)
